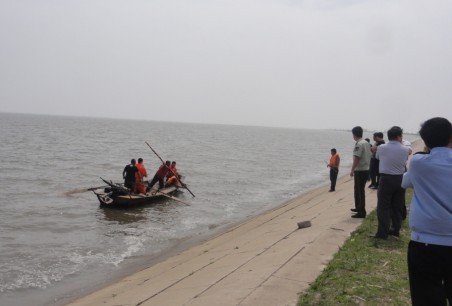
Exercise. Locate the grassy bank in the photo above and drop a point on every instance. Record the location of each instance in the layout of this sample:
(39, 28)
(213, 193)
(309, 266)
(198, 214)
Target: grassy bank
(365, 270)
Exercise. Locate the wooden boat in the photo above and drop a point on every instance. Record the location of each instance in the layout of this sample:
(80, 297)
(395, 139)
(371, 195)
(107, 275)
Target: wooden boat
(116, 195)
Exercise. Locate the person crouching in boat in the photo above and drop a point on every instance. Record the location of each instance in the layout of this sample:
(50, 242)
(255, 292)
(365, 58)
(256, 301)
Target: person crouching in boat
(160, 175)
(140, 175)
(129, 175)
(172, 177)
(172, 170)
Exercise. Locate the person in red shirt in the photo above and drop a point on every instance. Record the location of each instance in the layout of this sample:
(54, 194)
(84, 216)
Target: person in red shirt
(334, 168)
(160, 175)
(140, 175)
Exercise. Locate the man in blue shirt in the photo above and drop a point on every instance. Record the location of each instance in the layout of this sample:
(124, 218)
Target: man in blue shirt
(430, 248)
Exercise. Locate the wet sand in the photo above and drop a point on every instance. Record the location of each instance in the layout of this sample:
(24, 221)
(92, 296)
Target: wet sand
(266, 260)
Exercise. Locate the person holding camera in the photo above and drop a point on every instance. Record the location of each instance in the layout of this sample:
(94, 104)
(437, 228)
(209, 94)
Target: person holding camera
(430, 248)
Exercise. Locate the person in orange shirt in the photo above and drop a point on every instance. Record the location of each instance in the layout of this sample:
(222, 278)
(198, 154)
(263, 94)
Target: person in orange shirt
(334, 168)
(171, 178)
(172, 170)
(141, 168)
(140, 175)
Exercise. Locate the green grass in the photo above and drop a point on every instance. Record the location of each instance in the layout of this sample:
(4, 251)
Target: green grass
(365, 271)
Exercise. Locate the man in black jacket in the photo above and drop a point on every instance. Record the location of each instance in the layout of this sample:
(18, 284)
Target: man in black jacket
(374, 162)
(129, 175)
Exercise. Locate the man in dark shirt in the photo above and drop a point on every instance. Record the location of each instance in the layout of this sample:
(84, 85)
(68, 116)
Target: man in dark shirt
(129, 175)
(374, 162)
(160, 175)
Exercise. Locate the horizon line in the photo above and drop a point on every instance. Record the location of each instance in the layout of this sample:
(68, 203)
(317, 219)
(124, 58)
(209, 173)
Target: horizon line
(191, 122)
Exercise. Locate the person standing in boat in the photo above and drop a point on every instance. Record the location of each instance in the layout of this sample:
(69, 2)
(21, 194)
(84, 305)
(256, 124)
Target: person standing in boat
(160, 175)
(140, 175)
(129, 175)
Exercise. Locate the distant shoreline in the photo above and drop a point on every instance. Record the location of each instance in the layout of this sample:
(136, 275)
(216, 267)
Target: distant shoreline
(194, 123)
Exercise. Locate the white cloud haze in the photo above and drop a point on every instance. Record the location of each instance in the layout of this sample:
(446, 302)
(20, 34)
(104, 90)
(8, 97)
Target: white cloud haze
(311, 64)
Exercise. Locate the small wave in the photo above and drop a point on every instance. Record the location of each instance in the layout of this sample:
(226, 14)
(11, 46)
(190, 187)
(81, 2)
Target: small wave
(134, 244)
(34, 277)
(37, 276)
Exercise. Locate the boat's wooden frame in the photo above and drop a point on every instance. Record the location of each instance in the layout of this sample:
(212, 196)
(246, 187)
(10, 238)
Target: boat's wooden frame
(109, 198)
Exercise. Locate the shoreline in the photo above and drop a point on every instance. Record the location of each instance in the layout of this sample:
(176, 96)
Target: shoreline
(183, 244)
(110, 292)
(263, 259)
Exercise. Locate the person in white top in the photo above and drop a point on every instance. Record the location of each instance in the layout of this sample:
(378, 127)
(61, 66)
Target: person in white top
(391, 196)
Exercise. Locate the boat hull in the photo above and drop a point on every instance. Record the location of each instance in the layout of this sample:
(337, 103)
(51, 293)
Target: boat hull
(108, 199)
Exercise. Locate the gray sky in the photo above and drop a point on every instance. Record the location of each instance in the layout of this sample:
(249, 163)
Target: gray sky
(306, 63)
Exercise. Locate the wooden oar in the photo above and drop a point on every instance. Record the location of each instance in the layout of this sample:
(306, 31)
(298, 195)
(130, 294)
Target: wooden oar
(175, 175)
(81, 190)
(94, 188)
(160, 194)
(172, 198)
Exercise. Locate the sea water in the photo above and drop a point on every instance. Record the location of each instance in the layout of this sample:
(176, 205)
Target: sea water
(56, 243)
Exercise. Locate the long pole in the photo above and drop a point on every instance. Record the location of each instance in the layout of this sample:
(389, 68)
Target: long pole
(172, 198)
(175, 175)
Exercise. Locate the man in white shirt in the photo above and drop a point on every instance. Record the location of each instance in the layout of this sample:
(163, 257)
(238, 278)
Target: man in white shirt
(391, 196)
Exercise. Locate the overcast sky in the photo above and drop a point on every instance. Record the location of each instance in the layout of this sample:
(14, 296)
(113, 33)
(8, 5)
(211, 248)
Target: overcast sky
(288, 63)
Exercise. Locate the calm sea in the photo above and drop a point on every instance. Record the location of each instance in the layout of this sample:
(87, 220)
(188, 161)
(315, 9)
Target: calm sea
(56, 242)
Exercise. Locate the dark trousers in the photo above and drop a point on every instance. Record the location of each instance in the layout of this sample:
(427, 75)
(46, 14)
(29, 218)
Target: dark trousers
(333, 177)
(155, 180)
(390, 204)
(430, 273)
(130, 185)
(374, 173)
(360, 179)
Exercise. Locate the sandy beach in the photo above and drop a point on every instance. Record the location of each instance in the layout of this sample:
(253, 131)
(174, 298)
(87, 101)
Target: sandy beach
(266, 260)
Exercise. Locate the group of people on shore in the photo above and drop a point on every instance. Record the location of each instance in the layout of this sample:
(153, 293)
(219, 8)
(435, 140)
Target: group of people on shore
(430, 175)
(134, 175)
(374, 173)
(366, 163)
(384, 165)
